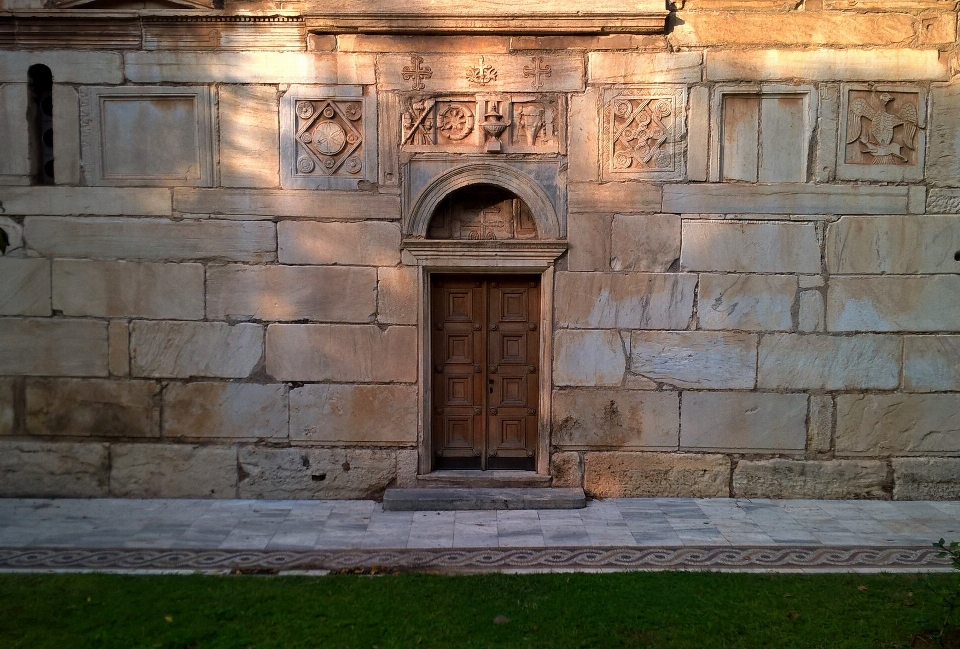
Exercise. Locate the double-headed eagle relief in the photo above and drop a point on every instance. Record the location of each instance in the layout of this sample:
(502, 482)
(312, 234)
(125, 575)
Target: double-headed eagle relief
(883, 128)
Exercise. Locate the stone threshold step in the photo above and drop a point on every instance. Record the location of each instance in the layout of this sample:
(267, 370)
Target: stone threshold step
(462, 498)
(474, 478)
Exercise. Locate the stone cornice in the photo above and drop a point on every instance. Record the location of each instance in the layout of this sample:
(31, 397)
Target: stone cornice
(430, 23)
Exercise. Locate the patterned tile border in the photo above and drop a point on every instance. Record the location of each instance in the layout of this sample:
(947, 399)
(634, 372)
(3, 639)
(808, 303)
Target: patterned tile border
(787, 558)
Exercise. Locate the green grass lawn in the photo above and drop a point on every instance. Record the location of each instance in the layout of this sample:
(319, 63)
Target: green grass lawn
(660, 609)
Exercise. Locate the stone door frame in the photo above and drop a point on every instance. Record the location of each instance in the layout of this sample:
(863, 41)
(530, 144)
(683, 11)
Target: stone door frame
(479, 258)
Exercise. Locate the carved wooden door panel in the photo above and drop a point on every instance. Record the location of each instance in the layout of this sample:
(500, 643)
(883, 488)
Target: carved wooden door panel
(485, 356)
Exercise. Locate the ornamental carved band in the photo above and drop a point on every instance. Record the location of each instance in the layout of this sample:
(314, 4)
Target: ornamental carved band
(643, 133)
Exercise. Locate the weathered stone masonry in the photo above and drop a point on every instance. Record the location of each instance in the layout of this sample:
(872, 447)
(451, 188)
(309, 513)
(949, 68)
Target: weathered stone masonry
(745, 217)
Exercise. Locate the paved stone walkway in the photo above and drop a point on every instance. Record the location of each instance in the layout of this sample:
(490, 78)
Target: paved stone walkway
(624, 533)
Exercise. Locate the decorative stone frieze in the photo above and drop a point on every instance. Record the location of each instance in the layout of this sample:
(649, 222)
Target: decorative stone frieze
(644, 129)
(456, 73)
(147, 135)
(328, 137)
(882, 132)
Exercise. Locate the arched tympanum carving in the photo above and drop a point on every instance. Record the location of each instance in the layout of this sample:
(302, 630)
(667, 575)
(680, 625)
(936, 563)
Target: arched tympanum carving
(482, 213)
(505, 177)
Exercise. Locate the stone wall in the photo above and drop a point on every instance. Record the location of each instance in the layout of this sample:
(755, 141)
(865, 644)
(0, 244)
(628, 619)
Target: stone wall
(761, 296)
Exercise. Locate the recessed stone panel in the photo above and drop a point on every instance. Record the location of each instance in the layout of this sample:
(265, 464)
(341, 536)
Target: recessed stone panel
(249, 136)
(619, 419)
(15, 157)
(328, 137)
(147, 135)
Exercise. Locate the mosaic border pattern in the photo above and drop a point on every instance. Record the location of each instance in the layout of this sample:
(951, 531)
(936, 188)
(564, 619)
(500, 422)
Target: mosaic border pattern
(474, 560)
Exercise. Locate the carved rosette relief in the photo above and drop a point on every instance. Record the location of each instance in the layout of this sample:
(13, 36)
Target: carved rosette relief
(327, 140)
(491, 123)
(329, 137)
(482, 214)
(883, 132)
(643, 130)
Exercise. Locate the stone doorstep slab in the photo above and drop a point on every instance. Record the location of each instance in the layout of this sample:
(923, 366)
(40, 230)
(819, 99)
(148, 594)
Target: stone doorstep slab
(473, 478)
(463, 498)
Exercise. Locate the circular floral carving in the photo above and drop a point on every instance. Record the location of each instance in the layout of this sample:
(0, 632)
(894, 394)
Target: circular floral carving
(329, 138)
(622, 108)
(305, 165)
(305, 110)
(352, 138)
(328, 112)
(456, 122)
(352, 165)
(327, 161)
(352, 111)
(306, 137)
(622, 160)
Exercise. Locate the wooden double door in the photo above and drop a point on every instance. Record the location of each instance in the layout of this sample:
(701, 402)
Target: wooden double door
(485, 359)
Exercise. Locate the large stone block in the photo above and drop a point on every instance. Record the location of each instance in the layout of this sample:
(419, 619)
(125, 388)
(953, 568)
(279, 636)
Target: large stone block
(920, 478)
(53, 470)
(354, 413)
(943, 140)
(249, 136)
(836, 479)
(566, 470)
(377, 43)
(931, 363)
(695, 359)
(34, 347)
(613, 197)
(93, 408)
(188, 349)
(7, 406)
(750, 247)
(743, 421)
(644, 67)
(894, 303)
(118, 340)
(292, 293)
(784, 198)
(172, 471)
(589, 236)
(128, 289)
(645, 242)
(15, 157)
(588, 358)
(821, 362)
(398, 291)
(225, 410)
(796, 28)
(624, 300)
(269, 203)
(619, 419)
(67, 66)
(25, 289)
(343, 353)
(152, 239)
(66, 126)
(885, 424)
(893, 244)
(360, 244)
(102, 201)
(316, 473)
(943, 201)
(746, 302)
(666, 475)
(827, 65)
(246, 67)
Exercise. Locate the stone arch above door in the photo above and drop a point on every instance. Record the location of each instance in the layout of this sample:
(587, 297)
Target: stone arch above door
(504, 176)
